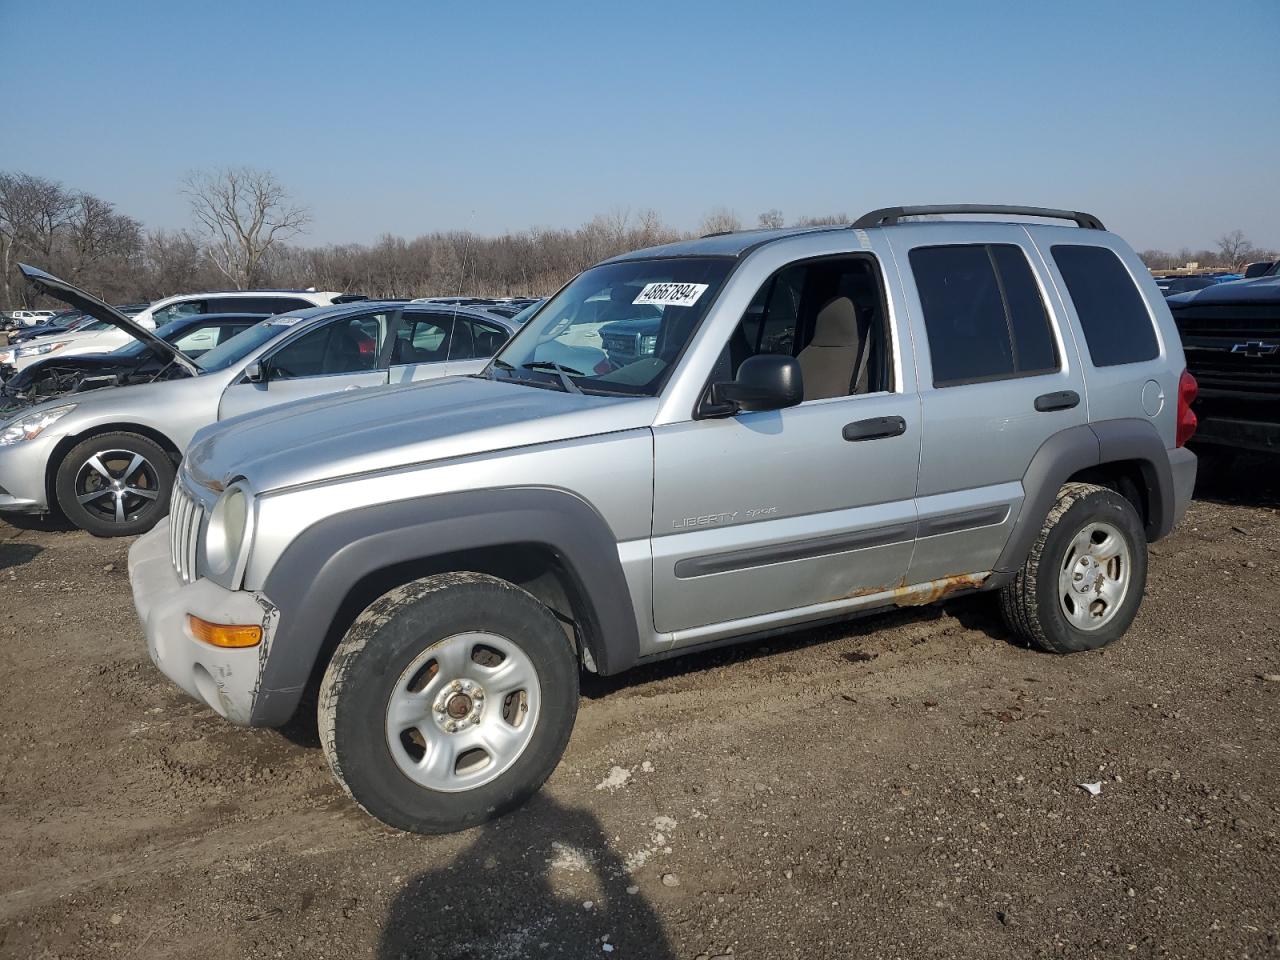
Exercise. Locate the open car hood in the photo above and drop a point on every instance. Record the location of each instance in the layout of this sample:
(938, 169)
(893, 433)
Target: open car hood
(77, 298)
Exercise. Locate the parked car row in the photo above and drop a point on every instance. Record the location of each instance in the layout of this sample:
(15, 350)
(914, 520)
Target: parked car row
(106, 458)
(686, 446)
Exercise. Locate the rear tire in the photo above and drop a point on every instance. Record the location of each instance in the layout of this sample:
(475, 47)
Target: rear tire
(1082, 583)
(115, 484)
(448, 703)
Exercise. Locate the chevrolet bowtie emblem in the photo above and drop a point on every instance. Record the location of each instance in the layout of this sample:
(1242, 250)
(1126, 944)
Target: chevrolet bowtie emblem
(1256, 348)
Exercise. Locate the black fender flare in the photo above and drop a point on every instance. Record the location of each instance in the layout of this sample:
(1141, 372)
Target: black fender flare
(1078, 448)
(311, 579)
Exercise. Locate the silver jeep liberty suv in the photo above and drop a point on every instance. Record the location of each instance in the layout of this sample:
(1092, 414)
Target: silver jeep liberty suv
(804, 424)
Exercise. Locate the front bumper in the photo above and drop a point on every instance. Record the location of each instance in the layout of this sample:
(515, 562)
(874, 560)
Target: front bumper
(225, 679)
(23, 468)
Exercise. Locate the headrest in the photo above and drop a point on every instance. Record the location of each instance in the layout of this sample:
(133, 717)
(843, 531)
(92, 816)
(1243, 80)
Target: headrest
(836, 325)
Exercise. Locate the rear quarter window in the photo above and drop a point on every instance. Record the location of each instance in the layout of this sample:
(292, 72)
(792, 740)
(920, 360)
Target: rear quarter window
(1117, 325)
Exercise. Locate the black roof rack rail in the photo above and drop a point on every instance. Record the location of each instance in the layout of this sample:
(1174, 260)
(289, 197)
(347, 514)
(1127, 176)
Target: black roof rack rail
(887, 216)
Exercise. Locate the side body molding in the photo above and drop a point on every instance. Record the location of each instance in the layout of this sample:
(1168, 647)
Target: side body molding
(1079, 448)
(315, 573)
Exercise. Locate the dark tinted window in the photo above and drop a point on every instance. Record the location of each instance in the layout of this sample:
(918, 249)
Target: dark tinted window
(423, 338)
(475, 339)
(258, 304)
(1117, 326)
(983, 313)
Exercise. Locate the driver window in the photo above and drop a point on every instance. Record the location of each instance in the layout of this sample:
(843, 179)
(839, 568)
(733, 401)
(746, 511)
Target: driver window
(350, 345)
(828, 314)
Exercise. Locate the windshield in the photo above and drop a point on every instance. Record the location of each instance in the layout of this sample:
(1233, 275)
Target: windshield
(232, 351)
(522, 317)
(166, 333)
(618, 328)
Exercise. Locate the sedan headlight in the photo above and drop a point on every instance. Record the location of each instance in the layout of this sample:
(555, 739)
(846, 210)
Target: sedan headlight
(227, 533)
(31, 425)
(40, 349)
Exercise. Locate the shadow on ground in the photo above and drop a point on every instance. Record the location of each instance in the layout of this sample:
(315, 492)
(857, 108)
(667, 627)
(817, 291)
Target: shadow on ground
(43, 522)
(512, 894)
(16, 554)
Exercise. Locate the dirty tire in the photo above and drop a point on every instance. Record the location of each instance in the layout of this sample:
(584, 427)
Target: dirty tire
(160, 472)
(1030, 602)
(369, 663)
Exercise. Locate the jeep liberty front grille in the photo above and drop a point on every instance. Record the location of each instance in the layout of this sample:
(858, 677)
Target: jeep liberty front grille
(186, 514)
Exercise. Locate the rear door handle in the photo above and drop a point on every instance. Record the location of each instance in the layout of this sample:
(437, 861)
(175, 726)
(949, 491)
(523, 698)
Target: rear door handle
(874, 428)
(1062, 400)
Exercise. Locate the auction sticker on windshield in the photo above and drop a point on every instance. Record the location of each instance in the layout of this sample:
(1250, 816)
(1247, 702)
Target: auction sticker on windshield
(670, 294)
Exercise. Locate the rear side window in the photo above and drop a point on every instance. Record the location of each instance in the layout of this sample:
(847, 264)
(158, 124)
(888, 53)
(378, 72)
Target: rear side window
(983, 313)
(1117, 326)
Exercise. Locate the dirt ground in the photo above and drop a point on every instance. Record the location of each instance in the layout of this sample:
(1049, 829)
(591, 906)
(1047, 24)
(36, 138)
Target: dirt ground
(905, 785)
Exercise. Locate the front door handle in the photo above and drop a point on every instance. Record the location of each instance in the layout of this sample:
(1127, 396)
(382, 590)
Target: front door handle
(1062, 400)
(874, 428)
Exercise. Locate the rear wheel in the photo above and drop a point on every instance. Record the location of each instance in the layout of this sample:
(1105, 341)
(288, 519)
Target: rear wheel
(449, 702)
(1083, 581)
(115, 484)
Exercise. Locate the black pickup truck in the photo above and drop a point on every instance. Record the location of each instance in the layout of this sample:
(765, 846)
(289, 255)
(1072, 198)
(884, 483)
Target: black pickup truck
(1231, 336)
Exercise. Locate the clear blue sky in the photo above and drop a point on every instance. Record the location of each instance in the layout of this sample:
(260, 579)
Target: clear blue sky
(1161, 117)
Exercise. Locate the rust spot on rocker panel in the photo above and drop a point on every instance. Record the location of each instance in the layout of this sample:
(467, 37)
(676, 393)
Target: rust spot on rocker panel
(919, 594)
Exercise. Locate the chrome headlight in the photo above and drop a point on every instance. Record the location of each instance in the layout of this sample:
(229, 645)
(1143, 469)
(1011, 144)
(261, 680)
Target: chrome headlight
(226, 537)
(31, 425)
(39, 350)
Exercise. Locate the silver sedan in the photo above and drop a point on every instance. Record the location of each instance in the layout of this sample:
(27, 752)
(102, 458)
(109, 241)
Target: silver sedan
(106, 457)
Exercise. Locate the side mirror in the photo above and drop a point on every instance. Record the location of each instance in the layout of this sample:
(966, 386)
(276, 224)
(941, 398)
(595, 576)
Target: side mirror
(1258, 269)
(765, 382)
(254, 373)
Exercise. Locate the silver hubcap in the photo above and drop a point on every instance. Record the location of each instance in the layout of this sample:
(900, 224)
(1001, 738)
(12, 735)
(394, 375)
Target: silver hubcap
(1095, 576)
(117, 485)
(463, 711)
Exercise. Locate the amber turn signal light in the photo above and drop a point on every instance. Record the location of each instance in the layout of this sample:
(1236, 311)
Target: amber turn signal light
(223, 634)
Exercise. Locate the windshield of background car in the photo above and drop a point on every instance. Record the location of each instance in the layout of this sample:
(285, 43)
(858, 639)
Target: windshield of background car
(168, 332)
(232, 351)
(618, 328)
(523, 316)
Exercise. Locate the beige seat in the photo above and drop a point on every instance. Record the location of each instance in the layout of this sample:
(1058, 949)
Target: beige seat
(829, 361)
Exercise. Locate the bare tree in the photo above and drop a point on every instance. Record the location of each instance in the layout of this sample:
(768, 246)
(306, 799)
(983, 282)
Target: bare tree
(243, 213)
(1235, 250)
(772, 219)
(96, 234)
(720, 220)
(825, 220)
(33, 211)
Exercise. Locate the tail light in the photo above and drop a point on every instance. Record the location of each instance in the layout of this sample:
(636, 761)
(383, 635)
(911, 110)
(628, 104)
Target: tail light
(1187, 390)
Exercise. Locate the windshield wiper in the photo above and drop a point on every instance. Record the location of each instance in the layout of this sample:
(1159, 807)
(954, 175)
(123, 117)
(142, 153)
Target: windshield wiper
(560, 370)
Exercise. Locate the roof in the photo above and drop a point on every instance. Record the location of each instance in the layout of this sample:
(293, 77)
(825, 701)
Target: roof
(741, 242)
(722, 244)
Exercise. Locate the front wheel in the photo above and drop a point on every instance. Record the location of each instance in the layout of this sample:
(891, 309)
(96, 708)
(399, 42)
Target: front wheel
(449, 702)
(115, 484)
(1083, 581)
